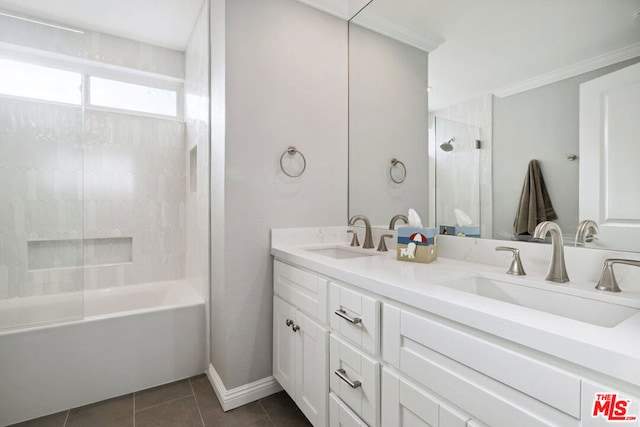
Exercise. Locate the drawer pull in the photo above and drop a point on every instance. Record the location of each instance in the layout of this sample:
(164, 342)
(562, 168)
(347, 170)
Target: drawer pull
(289, 322)
(345, 316)
(343, 376)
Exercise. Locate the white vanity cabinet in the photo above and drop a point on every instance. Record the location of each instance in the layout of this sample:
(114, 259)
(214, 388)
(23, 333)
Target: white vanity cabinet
(353, 357)
(355, 316)
(494, 384)
(354, 365)
(301, 340)
(406, 405)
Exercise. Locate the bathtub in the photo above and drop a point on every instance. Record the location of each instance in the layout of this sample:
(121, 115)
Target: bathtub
(130, 338)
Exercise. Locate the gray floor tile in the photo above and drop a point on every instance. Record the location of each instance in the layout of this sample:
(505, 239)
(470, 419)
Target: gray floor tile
(208, 404)
(262, 422)
(117, 412)
(162, 394)
(283, 411)
(181, 412)
(239, 417)
(53, 420)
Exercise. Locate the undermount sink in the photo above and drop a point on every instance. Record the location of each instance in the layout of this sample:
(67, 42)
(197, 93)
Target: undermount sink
(340, 252)
(600, 313)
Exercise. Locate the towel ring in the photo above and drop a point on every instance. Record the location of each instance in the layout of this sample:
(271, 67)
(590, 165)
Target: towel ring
(292, 151)
(396, 162)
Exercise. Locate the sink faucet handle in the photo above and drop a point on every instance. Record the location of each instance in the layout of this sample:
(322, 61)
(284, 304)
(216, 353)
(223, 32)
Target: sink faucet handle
(382, 246)
(516, 267)
(608, 280)
(354, 239)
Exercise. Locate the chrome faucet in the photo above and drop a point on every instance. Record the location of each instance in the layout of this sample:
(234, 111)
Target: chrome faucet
(557, 269)
(607, 280)
(586, 229)
(368, 239)
(516, 267)
(392, 224)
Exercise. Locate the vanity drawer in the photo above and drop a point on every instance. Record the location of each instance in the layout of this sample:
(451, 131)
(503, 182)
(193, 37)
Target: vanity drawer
(304, 290)
(458, 366)
(355, 317)
(355, 378)
(340, 415)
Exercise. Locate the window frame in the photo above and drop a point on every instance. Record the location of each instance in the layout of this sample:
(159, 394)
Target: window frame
(139, 78)
(87, 69)
(46, 62)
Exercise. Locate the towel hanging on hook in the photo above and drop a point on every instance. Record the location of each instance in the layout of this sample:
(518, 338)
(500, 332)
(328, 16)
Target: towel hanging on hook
(535, 204)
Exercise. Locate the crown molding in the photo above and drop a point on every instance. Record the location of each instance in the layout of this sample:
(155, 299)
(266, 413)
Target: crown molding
(573, 70)
(343, 9)
(401, 33)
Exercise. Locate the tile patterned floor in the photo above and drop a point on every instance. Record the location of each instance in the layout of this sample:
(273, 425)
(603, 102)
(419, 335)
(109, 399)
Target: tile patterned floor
(186, 403)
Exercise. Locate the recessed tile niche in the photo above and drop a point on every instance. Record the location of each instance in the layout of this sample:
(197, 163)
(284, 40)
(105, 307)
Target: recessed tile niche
(68, 253)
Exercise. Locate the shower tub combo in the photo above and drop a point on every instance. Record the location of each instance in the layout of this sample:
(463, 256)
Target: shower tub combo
(131, 338)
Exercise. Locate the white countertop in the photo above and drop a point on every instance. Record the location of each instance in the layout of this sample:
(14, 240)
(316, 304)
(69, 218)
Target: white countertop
(611, 351)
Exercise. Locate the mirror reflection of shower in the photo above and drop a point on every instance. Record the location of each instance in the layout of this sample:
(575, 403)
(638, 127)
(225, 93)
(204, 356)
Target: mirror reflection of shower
(457, 174)
(447, 146)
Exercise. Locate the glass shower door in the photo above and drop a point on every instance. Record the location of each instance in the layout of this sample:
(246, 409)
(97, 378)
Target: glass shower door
(41, 174)
(457, 177)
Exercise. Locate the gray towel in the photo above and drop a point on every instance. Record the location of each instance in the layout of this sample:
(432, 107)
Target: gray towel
(535, 204)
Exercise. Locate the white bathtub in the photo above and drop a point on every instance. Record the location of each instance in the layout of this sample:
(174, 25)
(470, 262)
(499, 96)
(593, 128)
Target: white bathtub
(131, 338)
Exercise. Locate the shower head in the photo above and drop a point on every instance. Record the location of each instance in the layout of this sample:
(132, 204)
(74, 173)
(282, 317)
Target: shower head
(447, 146)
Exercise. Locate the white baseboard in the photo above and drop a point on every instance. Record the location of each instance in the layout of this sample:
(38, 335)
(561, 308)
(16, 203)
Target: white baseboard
(230, 399)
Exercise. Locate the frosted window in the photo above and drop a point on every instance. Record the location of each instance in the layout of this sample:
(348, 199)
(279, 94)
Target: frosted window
(38, 82)
(128, 96)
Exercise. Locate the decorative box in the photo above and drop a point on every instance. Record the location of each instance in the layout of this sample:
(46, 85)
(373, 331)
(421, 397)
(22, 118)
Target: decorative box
(417, 244)
(457, 230)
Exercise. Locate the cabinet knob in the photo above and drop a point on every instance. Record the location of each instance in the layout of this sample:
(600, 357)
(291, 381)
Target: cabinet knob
(289, 322)
(295, 328)
(342, 374)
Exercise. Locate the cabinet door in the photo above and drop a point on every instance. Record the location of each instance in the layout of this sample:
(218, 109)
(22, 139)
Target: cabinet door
(405, 405)
(450, 417)
(312, 388)
(355, 378)
(284, 345)
(354, 316)
(341, 416)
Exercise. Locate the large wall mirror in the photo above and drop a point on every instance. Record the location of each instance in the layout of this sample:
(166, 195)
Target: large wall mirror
(466, 95)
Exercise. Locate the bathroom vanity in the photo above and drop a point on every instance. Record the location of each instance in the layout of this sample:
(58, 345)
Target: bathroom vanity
(361, 339)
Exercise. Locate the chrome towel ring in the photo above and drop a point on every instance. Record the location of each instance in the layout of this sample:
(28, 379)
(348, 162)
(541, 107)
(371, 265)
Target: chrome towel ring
(292, 151)
(395, 162)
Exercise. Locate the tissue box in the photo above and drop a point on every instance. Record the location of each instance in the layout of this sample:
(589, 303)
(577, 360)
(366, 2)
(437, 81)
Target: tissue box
(456, 230)
(417, 244)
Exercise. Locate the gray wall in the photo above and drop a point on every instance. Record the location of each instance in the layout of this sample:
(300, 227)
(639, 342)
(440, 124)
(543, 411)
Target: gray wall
(279, 79)
(388, 115)
(540, 124)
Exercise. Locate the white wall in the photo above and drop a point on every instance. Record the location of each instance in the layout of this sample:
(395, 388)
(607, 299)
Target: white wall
(539, 124)
(279, 78)
(388, 115)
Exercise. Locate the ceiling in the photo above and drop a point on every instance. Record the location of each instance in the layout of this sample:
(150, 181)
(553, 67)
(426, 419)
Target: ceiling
(493, 46)
(165, 23)
(504, 46)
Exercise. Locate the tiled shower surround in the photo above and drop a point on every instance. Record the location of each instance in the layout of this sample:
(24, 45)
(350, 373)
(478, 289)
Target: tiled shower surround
(97, 199)
(119, 179)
